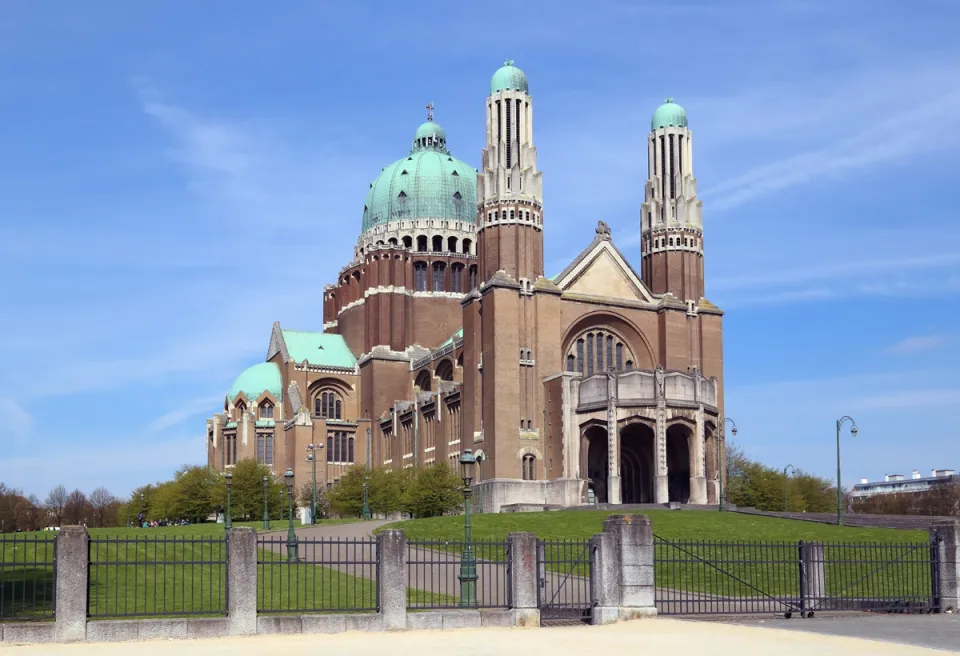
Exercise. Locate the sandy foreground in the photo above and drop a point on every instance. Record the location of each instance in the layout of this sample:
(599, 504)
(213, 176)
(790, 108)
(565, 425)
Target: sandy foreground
(655, 635)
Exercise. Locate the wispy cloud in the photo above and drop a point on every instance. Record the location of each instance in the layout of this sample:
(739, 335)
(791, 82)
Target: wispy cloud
(909, 399)
(15, 422)
(920, 344)
(177, 416)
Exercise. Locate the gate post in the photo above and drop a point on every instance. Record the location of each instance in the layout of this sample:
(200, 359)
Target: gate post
(72, 572)
(523, 579)
(947, 535)
(626, 569)
(392, 579)
(242, 580)
(813, 577)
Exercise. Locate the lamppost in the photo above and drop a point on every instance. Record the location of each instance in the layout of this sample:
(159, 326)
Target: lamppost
(227, 522)
(266, 509)
(722, 449)
(853, 432)
(312, 450)
(291, 534)
(468, 562)
(283, 500)
(786, 486)
(366, 503)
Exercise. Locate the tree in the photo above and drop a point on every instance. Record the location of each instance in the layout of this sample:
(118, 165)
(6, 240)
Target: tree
(246, 495)
(55, 503)
(346, 496)
(436, 490)
(754, 485)
(76, 509)
(305, 498)
(193, 492)
(104, 506)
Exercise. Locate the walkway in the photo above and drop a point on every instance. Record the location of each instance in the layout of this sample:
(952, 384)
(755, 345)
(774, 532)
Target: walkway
(654, 636)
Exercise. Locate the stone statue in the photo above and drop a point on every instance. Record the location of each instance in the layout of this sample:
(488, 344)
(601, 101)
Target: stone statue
(659, 379)
(603, 230)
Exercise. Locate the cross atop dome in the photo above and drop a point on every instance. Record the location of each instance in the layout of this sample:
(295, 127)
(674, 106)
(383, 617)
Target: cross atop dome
(508, 62)
(430, 111)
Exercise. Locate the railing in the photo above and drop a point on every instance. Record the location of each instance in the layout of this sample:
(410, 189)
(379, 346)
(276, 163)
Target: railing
(326, 575)
(434, 569)
(28, 577)
(153, 576)
(565, 581)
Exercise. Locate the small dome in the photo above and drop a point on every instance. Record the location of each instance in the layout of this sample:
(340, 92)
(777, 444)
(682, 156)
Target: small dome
(669, 114)
(429, 183)
(509, 78)
(260, 378)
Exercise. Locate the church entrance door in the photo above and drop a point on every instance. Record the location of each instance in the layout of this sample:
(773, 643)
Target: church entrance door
(596, 470)
(637, 463)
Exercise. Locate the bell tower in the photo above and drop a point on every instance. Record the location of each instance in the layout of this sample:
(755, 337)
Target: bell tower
(671, 215)
(509, 188)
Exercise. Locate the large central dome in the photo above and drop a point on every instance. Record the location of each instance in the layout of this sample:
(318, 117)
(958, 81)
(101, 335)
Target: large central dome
(427, 184)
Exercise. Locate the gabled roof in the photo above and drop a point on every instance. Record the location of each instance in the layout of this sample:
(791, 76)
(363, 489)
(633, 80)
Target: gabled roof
(602, 270)
(320, 349)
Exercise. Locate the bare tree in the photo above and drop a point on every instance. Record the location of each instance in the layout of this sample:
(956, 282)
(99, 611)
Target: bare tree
(77, 508)
(55, 503)
(101, 500)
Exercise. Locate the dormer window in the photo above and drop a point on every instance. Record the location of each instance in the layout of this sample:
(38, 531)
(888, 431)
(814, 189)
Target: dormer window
(266, 410)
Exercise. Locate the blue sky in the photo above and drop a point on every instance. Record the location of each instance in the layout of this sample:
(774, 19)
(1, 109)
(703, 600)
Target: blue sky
(175, 176)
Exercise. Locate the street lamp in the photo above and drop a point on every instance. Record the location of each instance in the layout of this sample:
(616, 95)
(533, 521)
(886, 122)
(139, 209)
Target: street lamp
(853, 432)
(366, 504)
(266, 510)
(291, 534)
(468, 562)
(786, 486)
(312, 450)
(229, 477)
(722, 449)
(283, 499)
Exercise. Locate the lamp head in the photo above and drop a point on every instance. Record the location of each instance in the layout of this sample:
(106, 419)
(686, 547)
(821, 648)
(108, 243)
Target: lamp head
(288, 477)
(229, 477)
(733, 431)
(853, 430)
(310, 447)
(467, 461)
(264, 480)
(309, 457)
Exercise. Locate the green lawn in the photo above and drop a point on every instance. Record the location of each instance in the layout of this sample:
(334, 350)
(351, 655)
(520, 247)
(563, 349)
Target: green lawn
(26, 576)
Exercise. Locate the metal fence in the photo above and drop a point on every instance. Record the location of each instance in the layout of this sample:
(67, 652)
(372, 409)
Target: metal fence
(28, 577)
(317, 575)
(153, 576)
(565, 581)
(709, 577)
(434, 572)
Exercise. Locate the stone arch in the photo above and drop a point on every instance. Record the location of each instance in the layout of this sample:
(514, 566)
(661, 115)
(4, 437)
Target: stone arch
(597, 349)
(460, 360)
(422, 243)
(679, 449)
(393, 241)
(423, 381)
(408, 241)
(444, 370)
(627, 329)
(437, 244)
(594, 460)
(637, 462)
(467, 245)
(452, 244)
(711, 446)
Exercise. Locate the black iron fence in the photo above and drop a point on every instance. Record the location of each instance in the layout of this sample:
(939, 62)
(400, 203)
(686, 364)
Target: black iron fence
(151, 576)
(710, 577)
(435, 569)
(28, 577)
(317, 575)
(566, 591)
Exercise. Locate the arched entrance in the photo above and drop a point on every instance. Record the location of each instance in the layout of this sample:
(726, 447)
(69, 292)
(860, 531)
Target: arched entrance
(637, 463)
(678, 463)
(593, 468)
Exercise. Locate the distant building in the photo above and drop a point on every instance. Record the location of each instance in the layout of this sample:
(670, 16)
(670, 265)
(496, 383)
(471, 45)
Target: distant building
(899, 484)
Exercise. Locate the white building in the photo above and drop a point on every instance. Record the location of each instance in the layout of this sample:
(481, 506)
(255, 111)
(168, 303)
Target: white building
(900, 484)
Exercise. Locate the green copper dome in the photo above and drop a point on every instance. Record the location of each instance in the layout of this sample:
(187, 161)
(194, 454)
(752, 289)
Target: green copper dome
(260, 378)
(509, 78)
(669, 114)
(429, 183)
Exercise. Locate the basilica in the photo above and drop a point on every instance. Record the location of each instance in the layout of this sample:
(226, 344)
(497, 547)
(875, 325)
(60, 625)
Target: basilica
(443, 332)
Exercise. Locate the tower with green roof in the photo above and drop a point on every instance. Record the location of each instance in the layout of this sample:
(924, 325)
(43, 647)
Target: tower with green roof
(671, 215)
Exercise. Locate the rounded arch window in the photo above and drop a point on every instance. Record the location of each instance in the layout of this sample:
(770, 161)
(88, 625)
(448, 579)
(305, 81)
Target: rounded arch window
(598, 349)
(328, 404)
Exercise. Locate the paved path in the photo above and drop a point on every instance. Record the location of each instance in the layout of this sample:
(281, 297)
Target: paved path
(935, 631)
(649, 636)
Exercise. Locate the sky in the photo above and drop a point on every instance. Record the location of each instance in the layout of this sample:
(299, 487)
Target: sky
(176, 176)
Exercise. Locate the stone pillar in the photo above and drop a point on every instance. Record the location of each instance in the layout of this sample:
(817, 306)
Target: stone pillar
(614, 493)
(813, 578)
(523, 578)
(946, 536)
(625, 569)
(661, 491)
(698, 481)
(242, 580)
(392, 579)
(73, 552)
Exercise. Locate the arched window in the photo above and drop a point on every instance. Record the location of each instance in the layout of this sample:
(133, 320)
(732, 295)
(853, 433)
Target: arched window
(439, 268)
(571, 363)
(452, 244)
(328, 405)
(266, 410)
(456, 278)
(473, 276)
(422, 243)
(580, 355)
(329, 448)
(350, 450)
(393, 241)
(589, 354)
(599, 353)
(241, 408)
(408, 242)
(597, 350)
(420, 276)
(529, 467)
(437, 243)
(467, 244)
(619, 357)
(423, 381)
(609, 351)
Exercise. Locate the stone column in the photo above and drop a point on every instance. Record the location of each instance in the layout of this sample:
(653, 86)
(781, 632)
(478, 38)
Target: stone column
(523, 578)
(614, 494)
(813, 577)
(698, 481)
(606, 577)
(242, 580)
(946, 535)
(625, 569)
(73, 547)
(392, 579)
(661, 491)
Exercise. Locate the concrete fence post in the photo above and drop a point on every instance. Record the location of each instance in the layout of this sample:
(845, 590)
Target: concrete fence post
(625, 569)
(242, 581)
(73, 555)
(946, 534)
(606, 575)
(522, 551)
(813, 577)
(392, 579)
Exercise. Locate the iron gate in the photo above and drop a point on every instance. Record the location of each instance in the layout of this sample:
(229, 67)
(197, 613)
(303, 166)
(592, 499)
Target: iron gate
(736, 578)
(565, 581)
